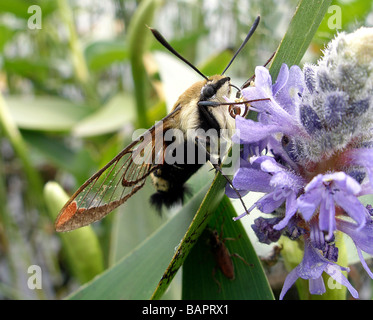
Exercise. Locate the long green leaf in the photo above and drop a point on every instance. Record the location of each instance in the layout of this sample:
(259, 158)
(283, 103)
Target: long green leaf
(53, 114)
(204, 213)
(202, 278)
(298, 37)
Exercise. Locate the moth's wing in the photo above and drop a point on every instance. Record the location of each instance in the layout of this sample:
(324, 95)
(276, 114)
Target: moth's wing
(115, 183)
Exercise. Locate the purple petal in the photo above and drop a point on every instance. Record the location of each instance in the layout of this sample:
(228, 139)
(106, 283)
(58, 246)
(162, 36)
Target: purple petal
(327, 214)
(252, 180)
(308, 203)
(289, 281)
(263, 80)
(363, 237)
(313, 264)
(269, 203)
(249, 131)
(316, 182)
(352, 206)
(270, 165)
(287, 180)
(363, 262)
(233, 194)
(289, 95)
(334, 271)
(317, 286)
(291, 209)
(281, 80)
(345, 182)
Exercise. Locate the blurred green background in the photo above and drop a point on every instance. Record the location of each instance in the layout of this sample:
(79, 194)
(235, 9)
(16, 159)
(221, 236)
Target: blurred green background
(76, 79)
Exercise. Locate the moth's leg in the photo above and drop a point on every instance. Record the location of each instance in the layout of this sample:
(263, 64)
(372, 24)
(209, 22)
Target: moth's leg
(218, 168)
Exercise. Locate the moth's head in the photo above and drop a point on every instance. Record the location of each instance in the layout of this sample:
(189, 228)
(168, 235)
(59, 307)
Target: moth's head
(215, 88)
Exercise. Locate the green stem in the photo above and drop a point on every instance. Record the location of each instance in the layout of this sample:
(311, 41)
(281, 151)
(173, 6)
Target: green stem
(137, 39)
(78, 60)
(11, 131)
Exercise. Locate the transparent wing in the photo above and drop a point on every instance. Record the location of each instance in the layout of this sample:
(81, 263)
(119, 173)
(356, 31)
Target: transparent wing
(115, 183)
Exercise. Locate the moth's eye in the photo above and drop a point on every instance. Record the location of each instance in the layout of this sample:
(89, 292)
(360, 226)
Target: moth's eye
(208, 91)
(238, 110)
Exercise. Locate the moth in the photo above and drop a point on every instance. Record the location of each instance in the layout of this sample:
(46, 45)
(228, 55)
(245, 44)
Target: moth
(201, 107)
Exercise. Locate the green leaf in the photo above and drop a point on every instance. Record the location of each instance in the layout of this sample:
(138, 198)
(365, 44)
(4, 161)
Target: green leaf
(200, 283)
(78, 162)
(350, 14)
(119, 111)
(101, 54)
(129, 233)
(81, 247)
(129, 230)
(298, 37)
(204, 213)
(45, 113)
(20, 7)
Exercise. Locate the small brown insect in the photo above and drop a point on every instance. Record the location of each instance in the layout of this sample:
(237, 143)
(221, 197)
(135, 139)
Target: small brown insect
(222, 256)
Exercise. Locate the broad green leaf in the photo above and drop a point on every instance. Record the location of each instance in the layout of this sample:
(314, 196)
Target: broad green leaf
(132, 224)
(25, 67)
(45, 113)
(202, 279)
(80, 246)
(6, 35)
(113, 116)
(101, 54)
(55, 150)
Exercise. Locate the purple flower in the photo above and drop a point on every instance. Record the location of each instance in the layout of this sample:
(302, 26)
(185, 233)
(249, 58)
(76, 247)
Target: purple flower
(362, 237)
(317, 131)
(273, 118)
(280, 184)
(324, 192)
(311, 268)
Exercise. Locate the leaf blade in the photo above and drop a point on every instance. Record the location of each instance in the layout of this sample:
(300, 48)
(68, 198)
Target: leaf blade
(250, 282)
(302, 28)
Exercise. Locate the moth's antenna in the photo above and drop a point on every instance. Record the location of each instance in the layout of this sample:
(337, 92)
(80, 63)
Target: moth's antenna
(252, 30)
(248, 81)
(164, 43)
